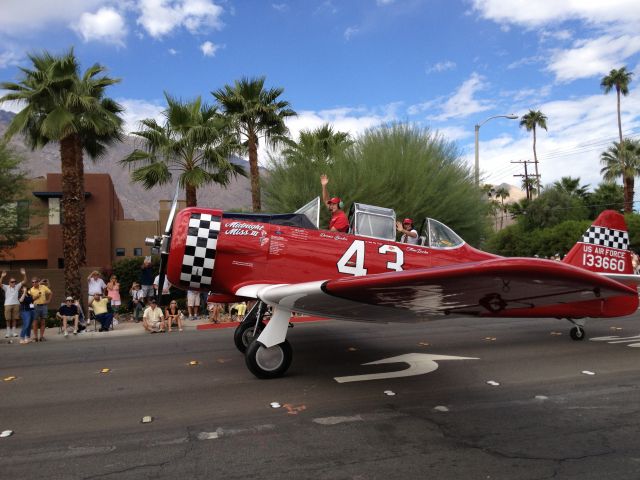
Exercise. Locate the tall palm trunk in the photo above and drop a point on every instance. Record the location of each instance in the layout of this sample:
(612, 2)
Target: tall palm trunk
(70, 149)
(82, 228)
(535, 161)
(628, 193)
(191, 194)
(619, 116)
(253, 170)
(627, 182)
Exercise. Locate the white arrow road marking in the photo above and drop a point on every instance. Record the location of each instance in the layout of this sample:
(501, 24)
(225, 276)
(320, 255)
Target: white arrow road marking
(419, 364)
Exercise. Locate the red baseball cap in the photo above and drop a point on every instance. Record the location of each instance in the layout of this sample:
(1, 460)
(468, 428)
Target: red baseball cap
(407, 220)
(335, 200)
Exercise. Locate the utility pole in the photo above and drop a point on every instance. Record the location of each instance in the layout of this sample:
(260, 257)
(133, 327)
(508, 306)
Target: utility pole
(526, 176)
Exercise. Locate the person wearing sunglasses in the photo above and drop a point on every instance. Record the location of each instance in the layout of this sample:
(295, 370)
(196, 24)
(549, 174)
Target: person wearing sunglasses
(12, 302)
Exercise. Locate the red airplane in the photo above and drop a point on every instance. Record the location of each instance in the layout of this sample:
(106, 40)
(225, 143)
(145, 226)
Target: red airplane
(285, 261)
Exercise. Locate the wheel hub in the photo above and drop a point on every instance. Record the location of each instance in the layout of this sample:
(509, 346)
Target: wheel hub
(269, 359)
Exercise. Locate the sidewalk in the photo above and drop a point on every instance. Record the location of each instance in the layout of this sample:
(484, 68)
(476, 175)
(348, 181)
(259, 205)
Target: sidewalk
(129, 327)
(124, 328)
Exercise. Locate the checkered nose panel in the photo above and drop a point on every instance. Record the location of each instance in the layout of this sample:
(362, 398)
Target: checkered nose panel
(200, 251)
(606, 237)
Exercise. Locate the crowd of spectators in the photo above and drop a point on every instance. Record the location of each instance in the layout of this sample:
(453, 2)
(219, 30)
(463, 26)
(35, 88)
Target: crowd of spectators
(29, 306)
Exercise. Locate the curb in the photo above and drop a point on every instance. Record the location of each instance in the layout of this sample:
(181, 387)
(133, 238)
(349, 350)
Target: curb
(214, 326)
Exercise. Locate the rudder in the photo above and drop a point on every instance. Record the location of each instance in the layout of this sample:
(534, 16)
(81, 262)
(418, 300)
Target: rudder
(604, 247)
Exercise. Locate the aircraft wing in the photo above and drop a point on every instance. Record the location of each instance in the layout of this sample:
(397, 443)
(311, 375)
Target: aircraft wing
(503, 287)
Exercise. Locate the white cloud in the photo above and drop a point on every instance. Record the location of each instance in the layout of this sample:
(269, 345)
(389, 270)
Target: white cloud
(172, 51)
(579, 130)
(350, 32)
(346, 119)
(106, 25)
(161, 17)
(16, 16)
(560, 35)
(441, 66)
(531, 13)
(462, 103)
(136, 110)
(527, 61)
(11, 106)
(209, 49)
(531, 95)
(384, 2)
(280, 7)
(593, 57)
(10, 57)
(454, 133)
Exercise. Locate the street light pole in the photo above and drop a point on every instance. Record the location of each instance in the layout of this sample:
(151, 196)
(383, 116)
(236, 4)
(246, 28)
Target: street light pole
(511, 116)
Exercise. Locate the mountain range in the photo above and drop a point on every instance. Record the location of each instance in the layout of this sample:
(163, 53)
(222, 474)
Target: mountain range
(138, 203)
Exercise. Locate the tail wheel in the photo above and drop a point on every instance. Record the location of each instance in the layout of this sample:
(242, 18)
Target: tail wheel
(270, 362)
(577, 333)
(245, 334)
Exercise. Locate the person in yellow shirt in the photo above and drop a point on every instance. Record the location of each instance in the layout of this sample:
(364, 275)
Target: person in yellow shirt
(41, 298)
(101, 310)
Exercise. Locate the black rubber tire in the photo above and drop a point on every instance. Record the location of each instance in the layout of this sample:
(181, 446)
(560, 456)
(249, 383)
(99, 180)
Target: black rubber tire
(577, 333)
(243, 337)
(270, 362)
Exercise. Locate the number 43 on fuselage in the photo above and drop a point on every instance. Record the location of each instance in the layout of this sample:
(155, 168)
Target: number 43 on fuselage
(285, 261)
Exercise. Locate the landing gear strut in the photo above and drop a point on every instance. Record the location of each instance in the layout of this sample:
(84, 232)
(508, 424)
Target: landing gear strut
(250, 327)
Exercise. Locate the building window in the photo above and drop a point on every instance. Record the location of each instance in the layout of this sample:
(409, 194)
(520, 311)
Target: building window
(137, 252)
(119, 252)
(54, 211)
(60, 262)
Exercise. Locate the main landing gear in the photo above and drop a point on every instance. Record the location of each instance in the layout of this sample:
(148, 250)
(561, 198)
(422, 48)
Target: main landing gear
(267, 352)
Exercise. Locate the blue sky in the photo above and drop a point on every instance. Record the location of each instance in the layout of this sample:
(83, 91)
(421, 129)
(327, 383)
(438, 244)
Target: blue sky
(442, 64)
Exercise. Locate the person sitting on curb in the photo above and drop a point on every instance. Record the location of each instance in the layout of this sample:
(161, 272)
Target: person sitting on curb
(173, 314)
(101, 307)
(68, 312)
(153, 319)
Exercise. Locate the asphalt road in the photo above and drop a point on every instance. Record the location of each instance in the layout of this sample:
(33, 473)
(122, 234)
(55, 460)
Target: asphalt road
(545, 418)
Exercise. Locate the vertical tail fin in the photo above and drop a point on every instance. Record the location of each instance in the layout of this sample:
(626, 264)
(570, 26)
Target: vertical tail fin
(604, 247)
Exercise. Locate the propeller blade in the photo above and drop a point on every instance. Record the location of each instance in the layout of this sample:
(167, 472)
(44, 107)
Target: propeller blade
(165, 245)
(172, 212)
(163, 271)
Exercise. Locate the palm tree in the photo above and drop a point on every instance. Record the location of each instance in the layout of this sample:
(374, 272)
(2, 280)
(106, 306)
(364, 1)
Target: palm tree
(528, 185)
(622, 162)
(531, 120)
(63, 107)
(320, 145)
(255, 112)
(502, 193)
(572, 186)
(618, 79)
(194, 140)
